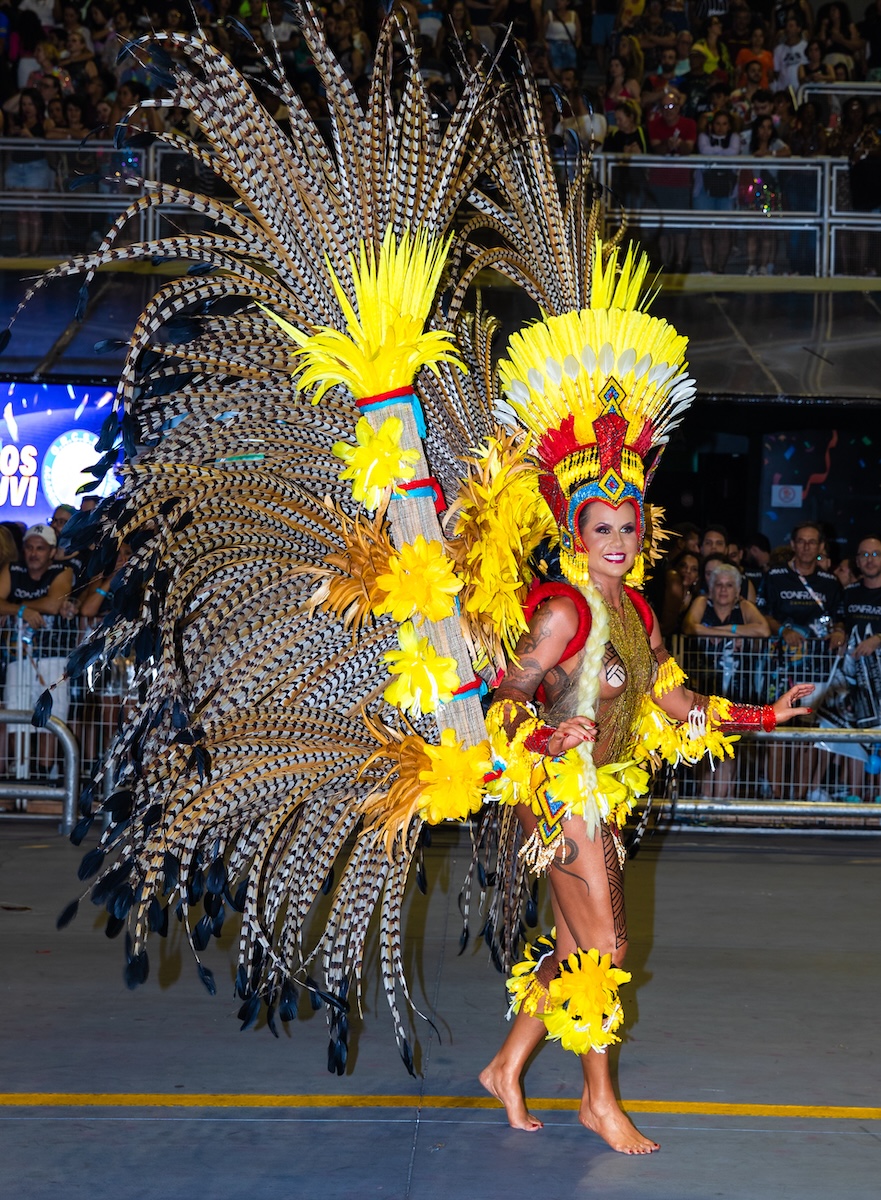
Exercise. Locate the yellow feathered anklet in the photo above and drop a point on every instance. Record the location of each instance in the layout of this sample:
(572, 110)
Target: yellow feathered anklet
(580, 1006)
(585, 1007)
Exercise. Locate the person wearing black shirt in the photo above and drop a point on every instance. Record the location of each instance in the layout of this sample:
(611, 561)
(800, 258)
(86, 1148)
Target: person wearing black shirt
(628, 136)
(756, 556)
(32, 594)
(870, 28)
(799, 600)
(860, 607)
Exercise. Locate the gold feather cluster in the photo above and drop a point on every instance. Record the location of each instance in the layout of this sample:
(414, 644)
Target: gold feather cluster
(349, 588)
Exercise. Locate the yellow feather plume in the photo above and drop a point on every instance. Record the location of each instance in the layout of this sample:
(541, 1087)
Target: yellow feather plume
(386, 344)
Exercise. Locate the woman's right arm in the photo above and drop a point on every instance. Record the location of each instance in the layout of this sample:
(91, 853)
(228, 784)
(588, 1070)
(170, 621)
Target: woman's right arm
(538, 659)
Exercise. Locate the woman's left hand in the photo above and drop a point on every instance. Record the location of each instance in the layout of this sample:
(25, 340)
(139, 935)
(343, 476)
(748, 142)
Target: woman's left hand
(787, 706)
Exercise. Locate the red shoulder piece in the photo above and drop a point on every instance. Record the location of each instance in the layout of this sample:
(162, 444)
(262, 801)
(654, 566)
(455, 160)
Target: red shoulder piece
(643, 607)
(538, 593)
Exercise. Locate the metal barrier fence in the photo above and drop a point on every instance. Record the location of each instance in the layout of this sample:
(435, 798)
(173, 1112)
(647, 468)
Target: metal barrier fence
(85, 715)
(793, 215)
(776, 216)
(55, 798)
(828, 774)
(825, 770)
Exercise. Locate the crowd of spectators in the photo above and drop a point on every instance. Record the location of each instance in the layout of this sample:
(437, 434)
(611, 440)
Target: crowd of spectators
(712, 78)
(772, 581)
(48, 600)
(754, 619)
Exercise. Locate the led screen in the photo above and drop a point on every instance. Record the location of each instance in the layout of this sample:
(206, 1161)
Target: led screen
(48, 434)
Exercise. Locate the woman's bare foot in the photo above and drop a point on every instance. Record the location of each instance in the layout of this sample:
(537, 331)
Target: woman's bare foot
(616, 1128)
(509, 1093)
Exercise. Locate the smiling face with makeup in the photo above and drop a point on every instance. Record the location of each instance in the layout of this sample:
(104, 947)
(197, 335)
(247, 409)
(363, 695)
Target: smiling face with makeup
(611, 538)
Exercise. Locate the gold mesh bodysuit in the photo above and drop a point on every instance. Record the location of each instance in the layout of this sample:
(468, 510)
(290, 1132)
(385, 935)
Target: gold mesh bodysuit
(615, 713)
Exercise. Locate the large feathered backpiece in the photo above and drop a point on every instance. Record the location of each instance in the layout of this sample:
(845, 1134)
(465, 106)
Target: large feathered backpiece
(294, 624)
(296, 409)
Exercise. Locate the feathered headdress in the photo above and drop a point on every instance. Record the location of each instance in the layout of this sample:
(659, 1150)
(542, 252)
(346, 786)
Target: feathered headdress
(598, 389)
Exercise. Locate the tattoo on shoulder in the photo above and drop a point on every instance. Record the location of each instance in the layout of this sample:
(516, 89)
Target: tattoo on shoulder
(525, 676)
(539, 632)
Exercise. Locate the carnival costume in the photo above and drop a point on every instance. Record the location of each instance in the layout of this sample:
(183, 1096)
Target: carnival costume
(311, 642)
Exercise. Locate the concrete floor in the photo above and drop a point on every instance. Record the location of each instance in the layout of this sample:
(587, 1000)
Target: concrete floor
(756, 985)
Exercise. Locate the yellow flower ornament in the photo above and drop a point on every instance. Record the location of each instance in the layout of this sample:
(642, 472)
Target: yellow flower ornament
(453, 785)
(419, 582)
(377, 462)
(425, 678)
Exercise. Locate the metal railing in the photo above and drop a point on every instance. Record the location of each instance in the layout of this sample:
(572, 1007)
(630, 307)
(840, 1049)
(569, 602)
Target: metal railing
(802, 204)
(827, 774)
(23, 790)
(91, 710)
(838, 91)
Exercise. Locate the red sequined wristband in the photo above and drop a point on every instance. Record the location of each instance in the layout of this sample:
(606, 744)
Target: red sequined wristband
(539, 740)
(743, 717)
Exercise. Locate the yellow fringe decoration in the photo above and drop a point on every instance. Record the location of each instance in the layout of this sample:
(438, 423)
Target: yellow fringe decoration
(670, 676)
(661, 737)
(499, 518)
(527, 994)
(635, 577)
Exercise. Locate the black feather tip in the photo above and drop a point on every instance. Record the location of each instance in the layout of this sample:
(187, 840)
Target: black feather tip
(67, 914)
(136, 970)
(207, 977)
(91, 864)
(249, 1012)
(42, 711)
(80, 830)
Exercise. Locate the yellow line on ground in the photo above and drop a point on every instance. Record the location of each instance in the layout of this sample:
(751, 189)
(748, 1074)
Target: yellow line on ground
(247, 1100)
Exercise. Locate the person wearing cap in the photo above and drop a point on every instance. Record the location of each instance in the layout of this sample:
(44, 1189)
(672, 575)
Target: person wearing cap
(672, 134)
(31, 594)
(695, 83)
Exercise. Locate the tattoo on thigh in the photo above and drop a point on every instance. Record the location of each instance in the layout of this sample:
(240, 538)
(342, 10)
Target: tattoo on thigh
(616, 887)
(561, 865)
(569, 853)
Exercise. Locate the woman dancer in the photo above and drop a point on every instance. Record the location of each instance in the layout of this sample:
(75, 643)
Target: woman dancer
(585, 878)
(611, 694)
